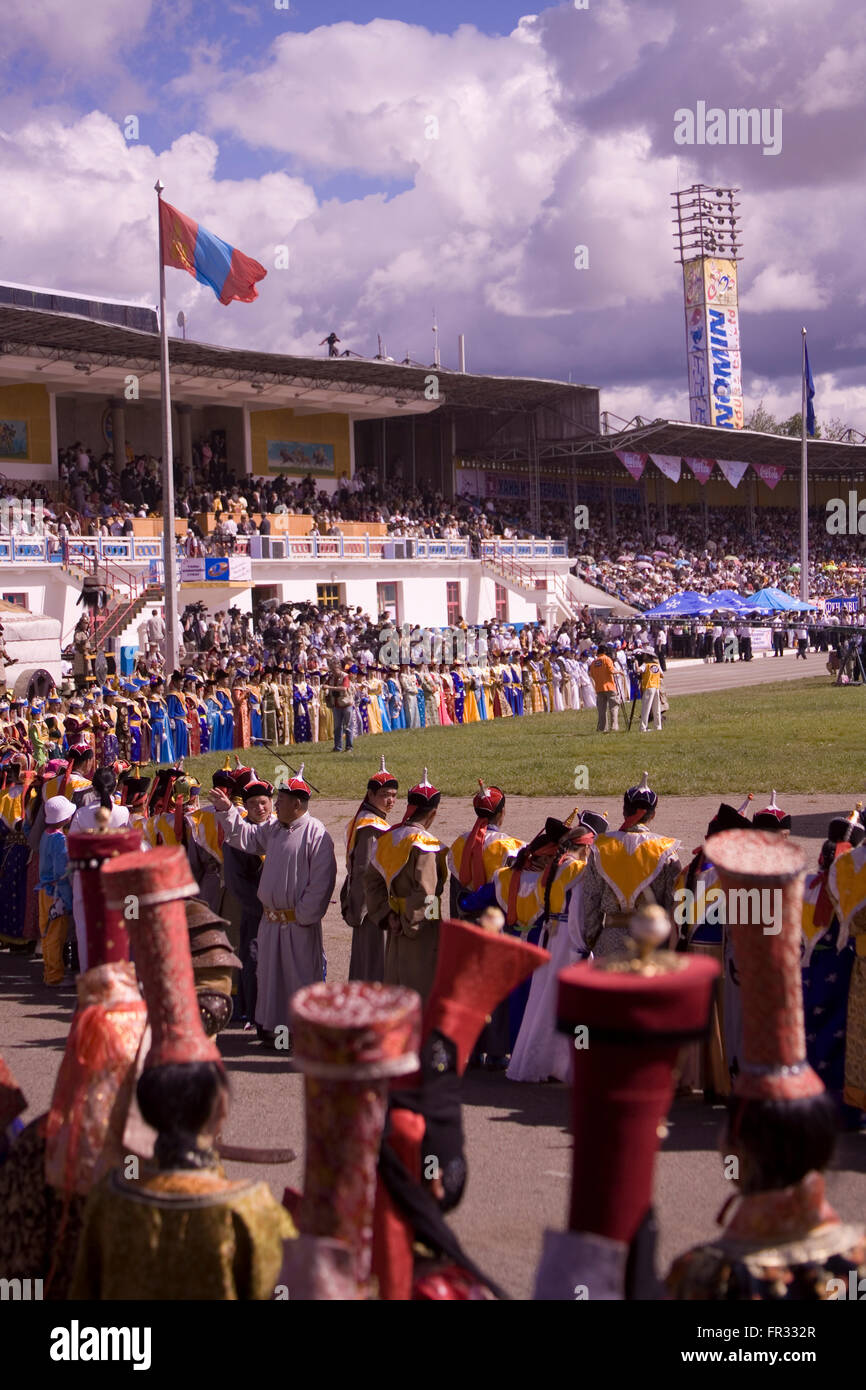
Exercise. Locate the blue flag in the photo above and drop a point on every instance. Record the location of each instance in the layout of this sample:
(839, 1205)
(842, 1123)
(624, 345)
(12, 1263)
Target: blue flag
(810, 396)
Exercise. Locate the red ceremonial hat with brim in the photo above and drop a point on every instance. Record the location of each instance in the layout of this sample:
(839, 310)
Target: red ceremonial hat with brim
(486, 802)
(383, 778)
(767, 952)
(158, 881)
(296, 786)
(425, 794)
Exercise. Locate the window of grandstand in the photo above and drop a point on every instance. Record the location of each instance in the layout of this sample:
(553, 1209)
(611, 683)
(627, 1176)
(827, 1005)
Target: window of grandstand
(386, 600)
(20, 599)
(501, 602)
(452, 600)
(330, 595)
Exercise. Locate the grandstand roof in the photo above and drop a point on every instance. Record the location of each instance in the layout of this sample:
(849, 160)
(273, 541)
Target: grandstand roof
(683, 440)
(72, 345)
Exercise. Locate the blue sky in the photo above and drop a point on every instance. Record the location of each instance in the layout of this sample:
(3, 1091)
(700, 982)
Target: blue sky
(310, 129)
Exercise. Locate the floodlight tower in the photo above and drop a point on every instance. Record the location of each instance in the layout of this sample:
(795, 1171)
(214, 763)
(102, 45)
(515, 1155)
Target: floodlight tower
(706, 232)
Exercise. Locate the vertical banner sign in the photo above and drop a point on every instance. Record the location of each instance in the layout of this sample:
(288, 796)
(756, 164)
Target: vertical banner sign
(713, 342)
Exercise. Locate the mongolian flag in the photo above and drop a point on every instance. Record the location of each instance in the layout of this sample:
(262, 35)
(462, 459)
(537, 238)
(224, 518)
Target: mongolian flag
(188, 246)
(810, 393)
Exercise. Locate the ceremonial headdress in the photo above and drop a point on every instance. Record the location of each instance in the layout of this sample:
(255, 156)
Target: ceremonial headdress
(162, 789)
(728, 818)
(598, 824)
(84, 1134)
(159, 881)
(296, 786)
(486, 802)
(423, 795)
(636, 802)
(256, 788)
(637, 1013)
(767, 956)
(382, 779)
(771, 818)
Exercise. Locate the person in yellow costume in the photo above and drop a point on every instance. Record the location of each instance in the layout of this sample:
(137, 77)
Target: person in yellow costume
(846, 886)
(475, 855)
(628, 868)
(362, 835)
(404, 886)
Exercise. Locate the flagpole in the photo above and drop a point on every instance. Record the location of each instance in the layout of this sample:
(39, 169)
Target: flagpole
(804, 488)
(169, 545)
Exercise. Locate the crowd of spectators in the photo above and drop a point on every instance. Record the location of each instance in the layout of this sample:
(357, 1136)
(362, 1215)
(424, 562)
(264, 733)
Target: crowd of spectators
(648, 556)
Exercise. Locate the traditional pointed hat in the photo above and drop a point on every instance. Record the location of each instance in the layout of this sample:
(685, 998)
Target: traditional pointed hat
(382, 779)
(637, 801)
(486, 802)
(296, 786)
(772, 817)
(424, 794)
(729, 818)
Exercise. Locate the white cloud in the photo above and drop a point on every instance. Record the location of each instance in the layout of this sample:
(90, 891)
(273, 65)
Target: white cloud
(70, 35)
(777, 288)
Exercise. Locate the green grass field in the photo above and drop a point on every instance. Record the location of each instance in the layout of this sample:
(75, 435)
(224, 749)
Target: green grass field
(803, 736)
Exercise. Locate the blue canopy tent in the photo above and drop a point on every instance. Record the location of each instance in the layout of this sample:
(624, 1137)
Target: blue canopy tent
(776, 601)
(726, 601)
(688, 604)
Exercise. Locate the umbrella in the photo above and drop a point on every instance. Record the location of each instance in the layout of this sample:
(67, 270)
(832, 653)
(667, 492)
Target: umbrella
(687, 605)
(660, 554)
(725, 600)
(734, 559)
(645, 557)
(644, 565)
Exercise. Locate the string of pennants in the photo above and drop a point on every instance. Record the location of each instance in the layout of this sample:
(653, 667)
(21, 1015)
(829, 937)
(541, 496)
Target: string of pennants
(671, 466)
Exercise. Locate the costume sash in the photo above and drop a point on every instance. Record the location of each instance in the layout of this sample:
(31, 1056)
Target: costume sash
(846, 884)
(362, 822)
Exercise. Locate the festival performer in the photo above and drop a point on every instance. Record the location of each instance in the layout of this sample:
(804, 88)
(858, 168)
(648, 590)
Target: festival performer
(178, 718)
(541, 1053)
(650, 687)
(638, 1008)
(161, 744)
(699, 916)
(475, 855)
(628, 868)
(369, 822)
(447, 708)
(846, 885)
(783, 1239)
(302, 696)
(56, 1159)
(242, 713)
(459, 687)
(213, 964)
(254, 690)
(179, 1229)
(403, 888)
(243, 872)
(416, 1255)
(271, 708)
(409, 692)
(104, 814)
(222, 696)
(828, 965)
(297, 881)
(77, 777)
(55, 888)
(394, 699)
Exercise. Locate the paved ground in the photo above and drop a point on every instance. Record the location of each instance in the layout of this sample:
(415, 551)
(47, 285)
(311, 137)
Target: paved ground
(693, 677)
(517, 1135)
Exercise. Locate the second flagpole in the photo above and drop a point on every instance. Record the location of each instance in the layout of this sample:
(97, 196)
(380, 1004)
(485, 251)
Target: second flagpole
(804, 487)
(169, 544)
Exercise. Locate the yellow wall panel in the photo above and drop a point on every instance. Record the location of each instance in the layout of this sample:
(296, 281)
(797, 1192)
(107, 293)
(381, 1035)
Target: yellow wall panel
(286, 426)
(31, 404)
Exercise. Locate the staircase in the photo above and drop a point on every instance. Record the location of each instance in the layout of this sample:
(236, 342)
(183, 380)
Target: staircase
(545, 588)
(129, 594)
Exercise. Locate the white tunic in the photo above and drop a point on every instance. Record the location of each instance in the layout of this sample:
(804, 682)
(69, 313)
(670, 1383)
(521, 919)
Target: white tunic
(298, 875)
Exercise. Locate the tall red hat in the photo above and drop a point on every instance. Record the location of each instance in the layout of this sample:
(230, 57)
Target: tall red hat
(350, 1040)
(93, 1091)
(767, 949)
(623, 1080)
(157, 882)
(486, 802)
(12, 1099)
(107, 938)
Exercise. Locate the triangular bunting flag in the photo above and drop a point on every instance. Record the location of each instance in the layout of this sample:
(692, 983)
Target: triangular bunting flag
(635, 463)
(701, 468)
(732, 470)
(669, 464)
(769, 473)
